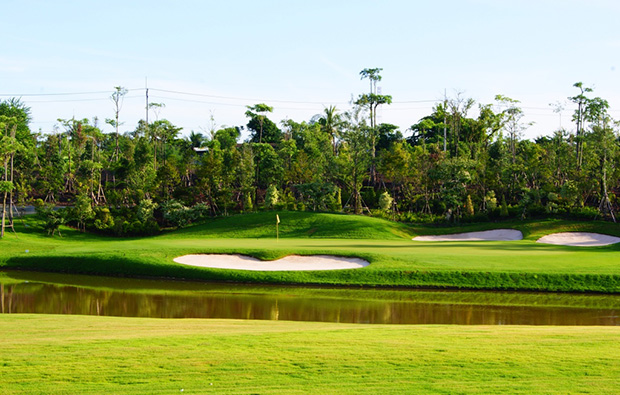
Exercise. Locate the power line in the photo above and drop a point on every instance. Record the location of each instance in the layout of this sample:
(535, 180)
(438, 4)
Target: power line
(198, 95)
(57, 94)
(231, 98)
(77, 100)
(244, 99)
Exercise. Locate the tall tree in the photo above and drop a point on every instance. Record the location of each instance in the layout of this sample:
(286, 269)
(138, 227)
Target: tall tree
(579, 117)
(354, 157)
(117, 99)
(256, 113)
(22, 161)
(373, 100)
(457, 108)
(511, 122)
(330, 121)
(8, 146)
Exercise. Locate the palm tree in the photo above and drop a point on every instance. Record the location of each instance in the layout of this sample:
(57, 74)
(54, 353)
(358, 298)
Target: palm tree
(196, 139)
(330, 123)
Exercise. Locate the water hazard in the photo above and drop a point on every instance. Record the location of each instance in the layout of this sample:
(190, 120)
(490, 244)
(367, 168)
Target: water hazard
(43, 293)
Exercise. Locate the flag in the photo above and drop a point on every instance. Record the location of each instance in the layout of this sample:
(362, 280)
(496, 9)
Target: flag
(277, 219)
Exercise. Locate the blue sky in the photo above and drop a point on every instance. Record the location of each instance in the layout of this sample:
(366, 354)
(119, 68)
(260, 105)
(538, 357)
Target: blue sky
(212, 58)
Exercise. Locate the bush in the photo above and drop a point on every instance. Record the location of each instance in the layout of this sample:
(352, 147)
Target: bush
(420, 218)
(490, 201)
(385, 201)
(503, 211)
(469, 207)
(584, 213)
(271, 197)
(176, 214)
(103, 219)
(52, 218)
(199, 212)
(145, 210)
(317, 196)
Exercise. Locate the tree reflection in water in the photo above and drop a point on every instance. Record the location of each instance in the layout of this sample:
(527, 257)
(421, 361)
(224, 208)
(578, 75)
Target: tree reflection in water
(38, 293)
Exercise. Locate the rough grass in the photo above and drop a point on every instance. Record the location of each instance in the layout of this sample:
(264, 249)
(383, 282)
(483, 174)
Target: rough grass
(79, 354)
(395, 259)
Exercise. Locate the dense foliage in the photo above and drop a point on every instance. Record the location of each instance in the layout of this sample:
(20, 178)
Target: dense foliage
(452, 167)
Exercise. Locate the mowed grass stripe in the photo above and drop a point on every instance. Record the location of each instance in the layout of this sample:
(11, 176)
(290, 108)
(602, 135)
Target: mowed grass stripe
(79, 354)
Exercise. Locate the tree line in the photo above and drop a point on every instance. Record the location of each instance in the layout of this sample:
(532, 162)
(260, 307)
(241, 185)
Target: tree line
(452, 167)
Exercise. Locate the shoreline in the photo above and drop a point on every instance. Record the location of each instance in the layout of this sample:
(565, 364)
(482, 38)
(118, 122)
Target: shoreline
(342, 285)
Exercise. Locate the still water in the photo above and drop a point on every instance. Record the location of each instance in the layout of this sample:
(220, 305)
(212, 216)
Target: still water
(44, 293)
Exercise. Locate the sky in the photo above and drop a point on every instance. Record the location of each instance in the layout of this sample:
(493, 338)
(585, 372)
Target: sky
(207, 60)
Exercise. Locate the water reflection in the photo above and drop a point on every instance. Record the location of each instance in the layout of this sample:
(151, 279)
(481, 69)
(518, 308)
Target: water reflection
(38, 293)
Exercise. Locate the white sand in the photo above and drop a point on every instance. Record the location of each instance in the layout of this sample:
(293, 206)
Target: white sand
(487, 235)
(289, 263)
(579, 239)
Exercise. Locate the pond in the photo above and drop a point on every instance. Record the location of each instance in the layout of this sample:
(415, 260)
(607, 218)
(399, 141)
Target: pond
(46, 293)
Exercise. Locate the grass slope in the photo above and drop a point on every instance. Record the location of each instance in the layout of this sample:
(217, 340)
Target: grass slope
(79, 354)
(395, 259)
(297, 224)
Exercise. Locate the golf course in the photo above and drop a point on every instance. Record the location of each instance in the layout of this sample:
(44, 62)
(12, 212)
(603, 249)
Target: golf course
(62, 354)
(395, 260)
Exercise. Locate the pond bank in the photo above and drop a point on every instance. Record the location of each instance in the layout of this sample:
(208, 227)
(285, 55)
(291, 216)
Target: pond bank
(40, 293)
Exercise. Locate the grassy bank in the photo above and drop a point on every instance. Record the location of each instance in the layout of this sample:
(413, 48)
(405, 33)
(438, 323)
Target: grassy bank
(78, 354)
(395, 259)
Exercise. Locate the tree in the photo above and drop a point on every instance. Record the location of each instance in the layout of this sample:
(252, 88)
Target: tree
(227, 137)
(196, 139)
(52, 218)
(457, 108)
(82, 211)
(469, 206)
(330, 122)
(455, 175)
(8, 146)
(117, 98)
(395, 166)
(5, 188)
(271, 196)
(385, 201)
(245, 174)
(354, 157)
(373, 100)
(511, 116)
(579, 118)
(256, 113)
(16, 117)
(429, 129)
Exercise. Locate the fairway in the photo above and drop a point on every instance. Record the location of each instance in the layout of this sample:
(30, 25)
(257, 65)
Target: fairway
(395, 260)
(78, 354)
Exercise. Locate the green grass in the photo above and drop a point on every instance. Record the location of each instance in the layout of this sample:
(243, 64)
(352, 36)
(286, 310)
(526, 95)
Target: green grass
(81, 354)
(395, 259)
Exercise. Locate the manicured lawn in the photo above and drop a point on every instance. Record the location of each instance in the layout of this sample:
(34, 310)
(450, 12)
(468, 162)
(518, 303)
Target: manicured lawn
(50, 354)
(395, 259)
(83, 354)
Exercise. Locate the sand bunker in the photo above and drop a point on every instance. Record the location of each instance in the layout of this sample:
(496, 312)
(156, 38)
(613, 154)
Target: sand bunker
(579, 239)
(487, 235)
(289, 263)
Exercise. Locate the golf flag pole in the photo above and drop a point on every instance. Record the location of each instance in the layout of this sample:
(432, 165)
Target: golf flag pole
(277, 230)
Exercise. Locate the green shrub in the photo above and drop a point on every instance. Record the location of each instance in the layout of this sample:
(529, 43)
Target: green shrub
(385, 201)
